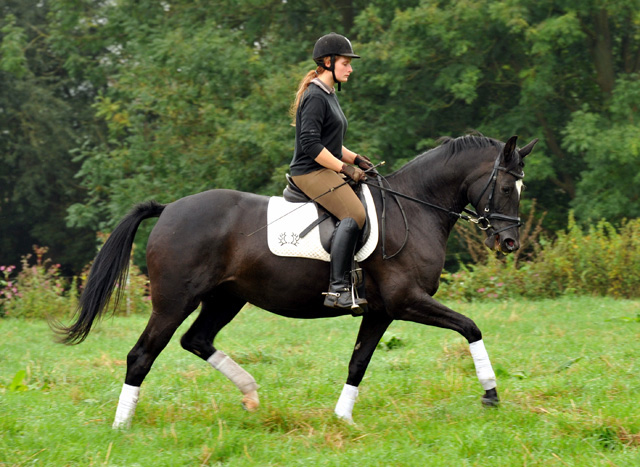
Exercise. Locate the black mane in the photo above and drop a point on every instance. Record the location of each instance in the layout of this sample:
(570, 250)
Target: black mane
(461, 143)
(449, 146)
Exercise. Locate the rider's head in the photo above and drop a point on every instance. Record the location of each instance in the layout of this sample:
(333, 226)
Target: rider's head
(332, 46)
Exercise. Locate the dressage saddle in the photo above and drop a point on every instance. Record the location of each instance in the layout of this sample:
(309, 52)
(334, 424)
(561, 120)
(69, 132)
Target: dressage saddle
(326, 221)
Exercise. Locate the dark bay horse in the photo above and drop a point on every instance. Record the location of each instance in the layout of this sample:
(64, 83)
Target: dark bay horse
(200, 253)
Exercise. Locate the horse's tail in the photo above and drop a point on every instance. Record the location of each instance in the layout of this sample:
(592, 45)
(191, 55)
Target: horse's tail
(109, 269)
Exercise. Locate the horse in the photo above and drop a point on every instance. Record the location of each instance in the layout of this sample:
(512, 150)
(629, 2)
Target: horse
(201, 253)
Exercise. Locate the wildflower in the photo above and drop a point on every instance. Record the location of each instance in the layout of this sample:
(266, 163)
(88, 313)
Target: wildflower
(481, 290)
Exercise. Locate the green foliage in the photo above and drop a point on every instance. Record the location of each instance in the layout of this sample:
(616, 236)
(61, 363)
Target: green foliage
(17, 384)
(602, 260)
(8, 288)
(391, 343)
(12, 47)
(43, 116)
(106, 104)
(609, 144)
(39, 291)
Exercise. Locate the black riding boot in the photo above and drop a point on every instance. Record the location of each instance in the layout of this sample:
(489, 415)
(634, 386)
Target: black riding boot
(343, 247)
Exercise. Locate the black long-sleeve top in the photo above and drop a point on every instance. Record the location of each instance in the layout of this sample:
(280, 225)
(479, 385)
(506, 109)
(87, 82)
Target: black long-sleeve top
(320, 123)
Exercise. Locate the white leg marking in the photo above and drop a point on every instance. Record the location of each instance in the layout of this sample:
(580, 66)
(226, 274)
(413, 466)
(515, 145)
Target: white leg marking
(344, 407)
(126, 406)
(484, 370)
(238, 376)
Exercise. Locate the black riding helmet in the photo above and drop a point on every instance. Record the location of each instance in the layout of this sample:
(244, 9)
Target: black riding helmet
(332, 45)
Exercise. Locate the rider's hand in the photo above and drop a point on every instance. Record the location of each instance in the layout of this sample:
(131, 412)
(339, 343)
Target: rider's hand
(363, 162)
(354, 173)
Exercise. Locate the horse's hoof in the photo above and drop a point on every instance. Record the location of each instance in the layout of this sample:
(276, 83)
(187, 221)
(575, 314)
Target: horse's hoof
(250, 401)
(347, 419)
(490, 398)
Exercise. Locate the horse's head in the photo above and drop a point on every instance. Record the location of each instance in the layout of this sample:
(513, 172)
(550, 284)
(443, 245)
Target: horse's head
(496, 197)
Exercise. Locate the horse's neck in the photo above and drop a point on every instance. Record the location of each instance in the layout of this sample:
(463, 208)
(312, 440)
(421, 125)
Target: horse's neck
(434, 181)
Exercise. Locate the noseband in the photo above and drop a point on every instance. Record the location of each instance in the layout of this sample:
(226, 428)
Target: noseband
(484, 222)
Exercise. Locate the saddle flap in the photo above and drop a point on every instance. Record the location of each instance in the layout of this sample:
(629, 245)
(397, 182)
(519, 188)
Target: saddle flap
(287, 221)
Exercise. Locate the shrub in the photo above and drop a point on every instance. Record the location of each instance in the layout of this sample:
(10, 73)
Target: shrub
(40, 291)
(602, 261)
(8, 288)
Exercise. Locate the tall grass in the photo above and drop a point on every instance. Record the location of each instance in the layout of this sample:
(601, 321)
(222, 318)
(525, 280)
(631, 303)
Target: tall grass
(38, 290)
(600, 260)
(567, 374)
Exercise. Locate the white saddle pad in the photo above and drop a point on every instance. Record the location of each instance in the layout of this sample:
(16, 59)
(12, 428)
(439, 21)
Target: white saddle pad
(287, 220)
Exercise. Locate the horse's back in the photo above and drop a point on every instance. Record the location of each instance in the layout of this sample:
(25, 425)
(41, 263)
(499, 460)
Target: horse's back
(224, 209)
(213, 222)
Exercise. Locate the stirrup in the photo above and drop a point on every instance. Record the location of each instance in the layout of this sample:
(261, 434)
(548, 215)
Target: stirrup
(357, 305)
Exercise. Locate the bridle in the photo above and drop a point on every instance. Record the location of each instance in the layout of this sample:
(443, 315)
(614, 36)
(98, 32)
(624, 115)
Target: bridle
(483, 222)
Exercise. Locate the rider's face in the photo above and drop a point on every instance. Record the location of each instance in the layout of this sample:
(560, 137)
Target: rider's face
(343, 68)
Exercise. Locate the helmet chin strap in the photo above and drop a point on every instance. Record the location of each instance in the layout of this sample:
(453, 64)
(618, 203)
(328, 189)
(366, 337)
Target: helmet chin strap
(332, 69)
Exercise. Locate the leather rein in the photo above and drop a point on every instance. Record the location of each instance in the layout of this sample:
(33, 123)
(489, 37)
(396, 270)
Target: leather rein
(483, 222)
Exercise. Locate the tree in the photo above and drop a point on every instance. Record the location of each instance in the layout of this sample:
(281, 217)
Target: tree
(133, 100)
(508, 67)
(40, 122)
(609, 187)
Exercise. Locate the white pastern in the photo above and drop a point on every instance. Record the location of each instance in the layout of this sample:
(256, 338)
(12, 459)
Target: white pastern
(126, 406)
(344, 407)
(484, 370)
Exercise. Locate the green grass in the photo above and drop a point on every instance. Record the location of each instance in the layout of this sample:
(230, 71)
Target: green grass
(567, 375)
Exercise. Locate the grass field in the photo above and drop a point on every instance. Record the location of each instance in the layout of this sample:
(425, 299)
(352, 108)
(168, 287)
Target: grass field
(567, 376)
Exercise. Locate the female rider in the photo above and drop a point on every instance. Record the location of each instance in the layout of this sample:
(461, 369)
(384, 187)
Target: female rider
(320, 160)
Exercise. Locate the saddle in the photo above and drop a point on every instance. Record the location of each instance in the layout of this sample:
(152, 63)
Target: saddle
(326, 221)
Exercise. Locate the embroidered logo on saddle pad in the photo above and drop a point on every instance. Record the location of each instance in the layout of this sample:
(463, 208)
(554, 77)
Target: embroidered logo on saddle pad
(288, 220)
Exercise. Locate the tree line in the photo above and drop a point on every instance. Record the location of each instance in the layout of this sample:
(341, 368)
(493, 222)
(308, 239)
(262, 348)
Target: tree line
(106, 104)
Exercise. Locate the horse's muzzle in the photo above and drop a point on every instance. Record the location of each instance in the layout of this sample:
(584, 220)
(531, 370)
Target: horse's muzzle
(504, 243)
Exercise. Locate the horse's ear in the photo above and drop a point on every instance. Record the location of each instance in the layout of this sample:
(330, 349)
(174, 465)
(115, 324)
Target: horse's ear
(528, 148)
(509, 148)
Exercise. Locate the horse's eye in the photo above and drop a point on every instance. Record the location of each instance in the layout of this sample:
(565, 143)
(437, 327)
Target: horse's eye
(506, 190)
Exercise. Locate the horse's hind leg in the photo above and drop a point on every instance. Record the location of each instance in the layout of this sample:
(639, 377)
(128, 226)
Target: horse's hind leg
(152, 341)
(217, 311)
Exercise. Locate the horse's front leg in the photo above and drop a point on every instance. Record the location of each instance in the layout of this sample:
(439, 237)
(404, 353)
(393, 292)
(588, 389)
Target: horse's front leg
(425, 309)
(372, 329)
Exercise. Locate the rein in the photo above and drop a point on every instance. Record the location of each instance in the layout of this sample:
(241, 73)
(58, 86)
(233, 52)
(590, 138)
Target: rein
(483, 222)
